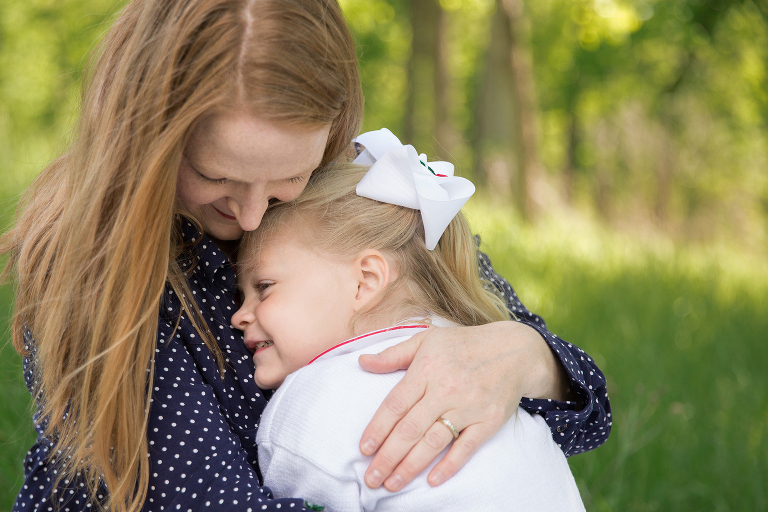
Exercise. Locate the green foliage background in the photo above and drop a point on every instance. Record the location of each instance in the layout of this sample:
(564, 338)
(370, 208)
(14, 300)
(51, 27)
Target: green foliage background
(671, 303)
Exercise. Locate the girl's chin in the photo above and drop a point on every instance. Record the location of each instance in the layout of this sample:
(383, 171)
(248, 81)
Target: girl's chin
(268, 383)
(264, 378)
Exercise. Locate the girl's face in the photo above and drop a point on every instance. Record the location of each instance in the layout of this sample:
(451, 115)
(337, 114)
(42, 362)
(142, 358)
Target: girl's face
(235, 163)
(297, 303)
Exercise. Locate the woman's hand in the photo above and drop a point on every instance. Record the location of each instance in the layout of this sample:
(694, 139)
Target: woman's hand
(472, 376)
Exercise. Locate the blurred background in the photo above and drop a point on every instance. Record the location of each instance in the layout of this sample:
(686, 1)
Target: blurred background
(619, 147)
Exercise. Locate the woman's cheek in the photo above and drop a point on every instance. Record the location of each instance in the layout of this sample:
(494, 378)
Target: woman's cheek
(191, 192)
(194, 197)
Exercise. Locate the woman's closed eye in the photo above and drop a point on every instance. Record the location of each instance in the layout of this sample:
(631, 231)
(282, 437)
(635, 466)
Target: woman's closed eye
(202, 176)
(210, 180)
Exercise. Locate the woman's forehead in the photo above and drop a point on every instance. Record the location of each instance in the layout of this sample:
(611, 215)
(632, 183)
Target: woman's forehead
(250, 147)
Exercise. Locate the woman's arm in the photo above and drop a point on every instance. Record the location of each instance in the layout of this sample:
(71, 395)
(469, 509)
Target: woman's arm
(475, 377)
(581, 420)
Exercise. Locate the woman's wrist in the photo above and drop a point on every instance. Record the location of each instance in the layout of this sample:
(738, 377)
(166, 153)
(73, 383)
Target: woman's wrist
(546, 378)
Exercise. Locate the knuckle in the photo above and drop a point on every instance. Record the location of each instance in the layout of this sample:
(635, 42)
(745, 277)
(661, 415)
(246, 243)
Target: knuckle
(434, 440)
(407, 470)
(496, 416)
(396, 405)
(448, 465)
(383, 462)
(375, 432)
(466, 447)
(409, 429)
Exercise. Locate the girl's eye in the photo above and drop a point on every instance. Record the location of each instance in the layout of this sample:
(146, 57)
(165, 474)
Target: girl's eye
(262, 287)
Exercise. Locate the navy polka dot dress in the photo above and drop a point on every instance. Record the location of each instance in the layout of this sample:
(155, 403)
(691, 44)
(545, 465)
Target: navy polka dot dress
(202, 428)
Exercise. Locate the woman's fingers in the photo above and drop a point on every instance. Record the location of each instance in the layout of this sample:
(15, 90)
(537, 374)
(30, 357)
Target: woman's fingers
(393, 431)
(470, 440)
(394, 408)
(399, 401)
(397, 357)
(472, 376)
(397, 450)
(436, 438)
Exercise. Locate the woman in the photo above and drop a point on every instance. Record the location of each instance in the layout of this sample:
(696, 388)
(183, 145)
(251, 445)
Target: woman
(196, 115)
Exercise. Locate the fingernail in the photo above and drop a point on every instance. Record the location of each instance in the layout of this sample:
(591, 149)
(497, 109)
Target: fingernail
(369, 447)
(373, 479)
(394, 483)
(435, 479)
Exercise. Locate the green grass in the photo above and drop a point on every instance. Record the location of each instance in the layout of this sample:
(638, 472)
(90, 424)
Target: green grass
(679, 332)
(681, 337)
(16, 431)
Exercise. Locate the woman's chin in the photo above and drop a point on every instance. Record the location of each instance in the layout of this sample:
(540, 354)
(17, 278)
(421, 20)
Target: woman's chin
(224, 231)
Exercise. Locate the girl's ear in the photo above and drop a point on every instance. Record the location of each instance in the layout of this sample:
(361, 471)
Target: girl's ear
(373, 275)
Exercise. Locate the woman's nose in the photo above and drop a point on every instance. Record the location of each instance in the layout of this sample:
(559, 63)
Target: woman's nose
(250, 210)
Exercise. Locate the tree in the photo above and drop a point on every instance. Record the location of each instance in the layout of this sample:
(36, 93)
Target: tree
(506, 118)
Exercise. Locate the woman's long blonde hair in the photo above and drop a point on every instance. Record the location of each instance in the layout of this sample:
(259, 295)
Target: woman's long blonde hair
(96, 235)
(332, 219)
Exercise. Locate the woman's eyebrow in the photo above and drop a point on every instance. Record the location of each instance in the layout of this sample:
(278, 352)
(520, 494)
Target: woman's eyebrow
(202, 168)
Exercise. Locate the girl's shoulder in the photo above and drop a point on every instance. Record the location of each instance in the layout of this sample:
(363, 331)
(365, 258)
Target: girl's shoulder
(334, 387)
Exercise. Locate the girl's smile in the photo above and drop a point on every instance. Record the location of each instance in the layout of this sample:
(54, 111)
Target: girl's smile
(296, 304)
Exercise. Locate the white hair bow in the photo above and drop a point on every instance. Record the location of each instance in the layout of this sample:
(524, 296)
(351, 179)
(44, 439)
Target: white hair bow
(398, 175)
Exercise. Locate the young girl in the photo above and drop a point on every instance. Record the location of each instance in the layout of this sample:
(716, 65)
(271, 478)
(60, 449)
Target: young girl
(334, 275)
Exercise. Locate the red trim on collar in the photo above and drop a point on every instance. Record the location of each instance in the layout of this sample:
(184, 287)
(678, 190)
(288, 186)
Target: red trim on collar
(365, 336)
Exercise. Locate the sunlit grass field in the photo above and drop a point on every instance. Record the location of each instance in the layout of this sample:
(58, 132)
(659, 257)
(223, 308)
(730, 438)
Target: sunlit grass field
(681, 336)
(679, 332)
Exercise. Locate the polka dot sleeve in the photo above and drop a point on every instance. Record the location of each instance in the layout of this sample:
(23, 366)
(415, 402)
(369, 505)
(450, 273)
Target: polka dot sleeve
(576, 426)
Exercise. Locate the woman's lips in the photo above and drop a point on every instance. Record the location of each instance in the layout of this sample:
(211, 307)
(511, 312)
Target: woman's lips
(229, 217)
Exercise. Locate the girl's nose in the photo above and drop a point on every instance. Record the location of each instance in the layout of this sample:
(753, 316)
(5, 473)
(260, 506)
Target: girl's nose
(242, 318)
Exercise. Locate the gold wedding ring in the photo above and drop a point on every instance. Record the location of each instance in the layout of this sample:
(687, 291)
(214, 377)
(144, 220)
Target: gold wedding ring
(450, 426)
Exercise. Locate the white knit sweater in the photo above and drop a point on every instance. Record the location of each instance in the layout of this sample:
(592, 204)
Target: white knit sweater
(309, 434)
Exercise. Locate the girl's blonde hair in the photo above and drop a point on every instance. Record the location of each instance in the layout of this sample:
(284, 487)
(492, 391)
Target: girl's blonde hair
(97, 235)
(331, 218)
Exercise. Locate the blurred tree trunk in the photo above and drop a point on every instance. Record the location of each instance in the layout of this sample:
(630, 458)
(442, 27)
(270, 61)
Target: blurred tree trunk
(506, 144)
(605, 167)
(527, 126)
(495, 144)
(420, 70)
(569, 167)
(573, 138)
(444, 131)
(665, 170)
(427, 119)
(603, 192)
